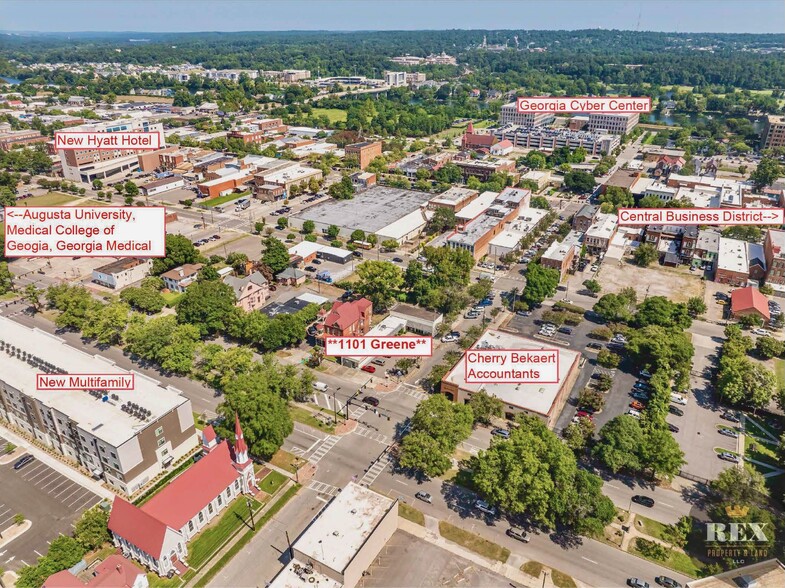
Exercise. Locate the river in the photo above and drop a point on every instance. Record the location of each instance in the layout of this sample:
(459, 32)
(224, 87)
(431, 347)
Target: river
(12, 81)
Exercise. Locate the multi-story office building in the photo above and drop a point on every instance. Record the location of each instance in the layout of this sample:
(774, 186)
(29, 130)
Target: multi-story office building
(366, 151)
(395, 78)
(774, 249)
(546, 139)
(85, 165)
(125, 437)
(510, 115)
(773, 132)
(615, 124)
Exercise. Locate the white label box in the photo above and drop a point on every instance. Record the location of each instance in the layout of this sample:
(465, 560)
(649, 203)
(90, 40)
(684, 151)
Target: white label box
(85, 231)
(512, 366)
(701, 216)
(85, 140)
(588, 104)
(406, 346)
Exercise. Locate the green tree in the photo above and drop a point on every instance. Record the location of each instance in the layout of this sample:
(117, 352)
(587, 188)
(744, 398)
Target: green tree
(619, 443)
(263, 415)
(616, 197)
(420, 451)
(579, 181)
(541, 282)
(593, 286)
(577, 435)
(535, 160)
(696, 306)
(6, 278)
(768, 347)
(33, 296)
(645, 254)
(91, 529)
(485, 407)
(768, 170)
(445, 421)
(658, 310)
(480, 289)
(343, 190)
(282, 222)
(443, 219)
(275, 255)
(744, 486)
(378, 281)
(742, 381)
(661, 454)
(390, 244)
(333, 231)
(308, 227)
(608, 359)
(131, 189)
(357, 235)
(206, 305)
(179, 250)
(106, 323)
(540, 202)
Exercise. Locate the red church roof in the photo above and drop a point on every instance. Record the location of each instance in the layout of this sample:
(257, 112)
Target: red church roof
(239, 442)
(345, 314)
(137, 527)
(190, 492)
(744, 300)
(208, 433)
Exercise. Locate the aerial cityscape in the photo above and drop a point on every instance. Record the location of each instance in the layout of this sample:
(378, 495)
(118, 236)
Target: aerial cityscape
(388, 295)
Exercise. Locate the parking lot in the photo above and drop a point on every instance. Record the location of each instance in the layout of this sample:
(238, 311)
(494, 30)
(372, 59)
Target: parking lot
(50, 500)
(678, 284)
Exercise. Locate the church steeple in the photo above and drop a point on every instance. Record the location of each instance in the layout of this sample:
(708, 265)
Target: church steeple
(240, 447)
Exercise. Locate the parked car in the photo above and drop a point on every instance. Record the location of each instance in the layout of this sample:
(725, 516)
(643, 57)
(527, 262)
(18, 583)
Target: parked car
(368, 368)
(675, 410)
(483, 506)
(761, 332)
(310, 268)
(566, 330)
(596, 346)
(728, 432)
(449, 338)
(397, 260)
(523, 313)
(585, 415)
(372, 400)
(643, 500)
(641, 386)
(637, 405)
(667, 582)
(518, 534)
(503, 433)
(672, 428)
(636, 583)
(729, 416)
(728, 456)
(317, 262)
(679, 399)
(645, 374)
(377, 361)
(633, 413)
(471, 315)
(424, 496)
(640, 395)
(23, 461)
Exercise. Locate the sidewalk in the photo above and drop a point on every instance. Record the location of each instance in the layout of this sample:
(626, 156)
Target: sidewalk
(430, 533)
(57, 465)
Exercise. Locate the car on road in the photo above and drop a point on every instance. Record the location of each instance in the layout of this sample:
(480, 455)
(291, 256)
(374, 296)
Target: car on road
(424, 496)
(519, 534)
(761, 332)
(449, 338)
(643, 500)
(483, 506)
(729, 416)
(472, 314)
(523, 313)
(23, 461)
(368, 368)
(636, 583)
(728, 456)
(667, 582)
(728, 432)
(372, 400)
(397, 260)
(675, 410)
(503, 433)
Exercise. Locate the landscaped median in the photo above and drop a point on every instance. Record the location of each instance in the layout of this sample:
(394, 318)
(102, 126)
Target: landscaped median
(473, 542)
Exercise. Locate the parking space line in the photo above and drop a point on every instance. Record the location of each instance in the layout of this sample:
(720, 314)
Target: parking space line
(49, 483)
(39, 467)
(78, 487)
(44, 479)
(91, 503)
(65, 481)
(66, 489)
(43, 471)
(77, 500)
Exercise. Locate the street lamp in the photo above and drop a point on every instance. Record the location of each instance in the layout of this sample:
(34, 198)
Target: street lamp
(544, 577)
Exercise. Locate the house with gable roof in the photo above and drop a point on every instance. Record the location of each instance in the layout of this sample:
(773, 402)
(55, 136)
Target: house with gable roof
(156, 534)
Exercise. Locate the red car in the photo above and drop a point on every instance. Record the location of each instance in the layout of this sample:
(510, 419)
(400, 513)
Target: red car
(585, 415)
(637, 405)
(368, 368)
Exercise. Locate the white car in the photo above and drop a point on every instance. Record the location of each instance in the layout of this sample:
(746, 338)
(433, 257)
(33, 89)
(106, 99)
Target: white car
(634, 413)
(449, 339)
(679, 399)
(762, 332)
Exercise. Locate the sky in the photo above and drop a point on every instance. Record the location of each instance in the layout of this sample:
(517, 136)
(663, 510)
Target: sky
(726, 16)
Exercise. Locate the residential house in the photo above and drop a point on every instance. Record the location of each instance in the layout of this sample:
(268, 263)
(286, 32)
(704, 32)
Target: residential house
(749, 301)
(291, 276)
(123, 272)
(251, 291)
(346, 319)
(585, 217)
(179, 278)
(156, 534)
(113, 572)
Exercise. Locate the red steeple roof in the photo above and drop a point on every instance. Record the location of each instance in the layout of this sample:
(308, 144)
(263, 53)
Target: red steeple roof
(240, 448)
(470, 128)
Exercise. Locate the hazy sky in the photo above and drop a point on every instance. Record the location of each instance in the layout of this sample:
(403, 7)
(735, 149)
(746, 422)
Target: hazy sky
(748, 16)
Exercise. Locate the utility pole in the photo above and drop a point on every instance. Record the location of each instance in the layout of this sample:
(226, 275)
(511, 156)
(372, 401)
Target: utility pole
(250, 511)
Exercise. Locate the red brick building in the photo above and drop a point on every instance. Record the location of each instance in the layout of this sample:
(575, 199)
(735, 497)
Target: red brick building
(347, 319)
(472, 140)
(366, 152)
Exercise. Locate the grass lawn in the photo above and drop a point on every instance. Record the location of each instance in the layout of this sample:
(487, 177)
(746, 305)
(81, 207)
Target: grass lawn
(649, 526)
(287, 461)
(212, 538)
(765, 452)
(681, 562)
(474, 542)
(212, 202)
(533, 568)
(156, 581)
(198, 422)
(272, 482)
(8, 296)
(306, 417)
(411, 514)
(562, 580)
(779, 369)
(334, 114)
(172, 298)
(51, 199)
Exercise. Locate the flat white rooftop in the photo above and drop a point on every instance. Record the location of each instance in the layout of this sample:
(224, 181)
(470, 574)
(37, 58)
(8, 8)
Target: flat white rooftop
(341, 529)
(104, 420)
(537, 398)
(476, 206)
(732, 256)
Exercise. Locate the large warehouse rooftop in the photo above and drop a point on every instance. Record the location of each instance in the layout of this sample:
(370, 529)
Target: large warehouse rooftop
(371, 210)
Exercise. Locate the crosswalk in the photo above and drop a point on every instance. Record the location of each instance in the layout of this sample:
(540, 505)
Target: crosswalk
(322, 488)
(357, 412)
(323, 449)
(412, 391)
(373, 435)
(376, 469)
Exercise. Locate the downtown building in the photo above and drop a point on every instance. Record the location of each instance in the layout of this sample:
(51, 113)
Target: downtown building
(546, 139)
(615, 124)
(124, 437)
(509, 115)
(85, 165)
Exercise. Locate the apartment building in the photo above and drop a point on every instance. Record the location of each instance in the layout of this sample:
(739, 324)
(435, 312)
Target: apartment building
(562, 256)
(179, 278)
(585, 217)
(124, 437)
(415, 77)
(773, 132)
(774, 251)
(122, 273)
(395, 78)
(509, 115)
(365, 151)
(454, 198)
(598, 236)
(85, 165)
(615, 124)
(483, 169)
(11, 139)
(546, 139)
